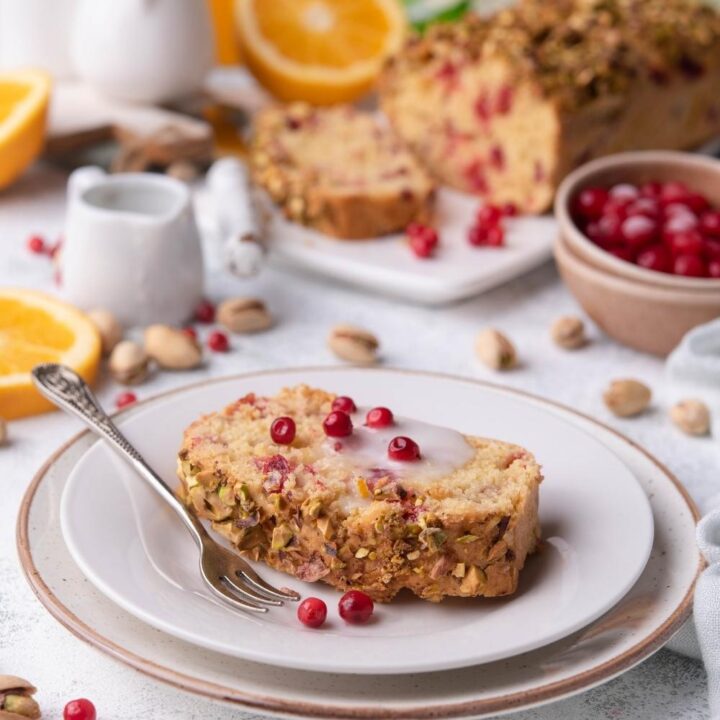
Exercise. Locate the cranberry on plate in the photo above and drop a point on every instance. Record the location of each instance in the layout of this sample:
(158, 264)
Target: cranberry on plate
(355, 607)
(218, 341)
(312, 612)
(661, 226)
(423, 239)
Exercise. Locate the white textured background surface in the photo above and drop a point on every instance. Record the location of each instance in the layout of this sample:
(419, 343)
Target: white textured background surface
(34, 646)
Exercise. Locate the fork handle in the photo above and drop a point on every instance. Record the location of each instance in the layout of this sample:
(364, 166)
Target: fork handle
(66, 389)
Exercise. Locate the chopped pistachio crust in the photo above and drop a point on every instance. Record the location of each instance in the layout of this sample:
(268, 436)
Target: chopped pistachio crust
(300, 509)
(338, 170)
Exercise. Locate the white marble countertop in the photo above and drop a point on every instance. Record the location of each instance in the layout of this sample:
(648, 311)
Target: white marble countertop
(34, 646)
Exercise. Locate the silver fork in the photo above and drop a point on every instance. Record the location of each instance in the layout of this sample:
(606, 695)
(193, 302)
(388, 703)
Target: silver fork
(227, 575)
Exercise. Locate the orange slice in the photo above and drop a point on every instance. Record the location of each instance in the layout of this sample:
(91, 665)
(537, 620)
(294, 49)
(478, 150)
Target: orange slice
(36, 328)
(24, 100)
(320, 51)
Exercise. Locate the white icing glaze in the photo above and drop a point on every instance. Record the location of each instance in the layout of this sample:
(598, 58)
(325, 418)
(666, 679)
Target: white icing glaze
(442, 450)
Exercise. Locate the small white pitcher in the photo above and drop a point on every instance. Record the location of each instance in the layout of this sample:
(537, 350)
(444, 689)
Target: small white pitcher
(132, 247)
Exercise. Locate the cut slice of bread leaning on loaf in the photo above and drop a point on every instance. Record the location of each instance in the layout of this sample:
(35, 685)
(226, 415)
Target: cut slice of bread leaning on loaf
(338, 170)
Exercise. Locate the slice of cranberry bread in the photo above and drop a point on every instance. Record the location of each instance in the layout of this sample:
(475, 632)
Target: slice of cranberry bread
(338, 170)
(459, 521)
(505, 107)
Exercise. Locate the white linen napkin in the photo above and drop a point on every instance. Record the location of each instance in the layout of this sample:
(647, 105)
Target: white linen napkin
(693, 371)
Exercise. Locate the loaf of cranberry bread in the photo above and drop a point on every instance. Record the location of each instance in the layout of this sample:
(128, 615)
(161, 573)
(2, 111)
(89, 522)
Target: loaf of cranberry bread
(504, 107)
(338, 170)
(457, 521)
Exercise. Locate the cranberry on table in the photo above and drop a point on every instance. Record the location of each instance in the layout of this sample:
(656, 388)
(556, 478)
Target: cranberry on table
(344, 403)
(312, 612)
(81, 709)
(125, 399)
(690, 266)
(355, 607)
(379, 417)
(338, 424)
(403, 449)
(36, 244)
(218, 342)
(205, 312)
(283, 430)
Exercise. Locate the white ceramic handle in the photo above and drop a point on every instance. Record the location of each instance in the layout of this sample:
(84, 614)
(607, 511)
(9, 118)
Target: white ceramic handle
(81, 179)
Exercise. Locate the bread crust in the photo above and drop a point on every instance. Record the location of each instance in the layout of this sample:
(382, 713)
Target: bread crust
(299, 510)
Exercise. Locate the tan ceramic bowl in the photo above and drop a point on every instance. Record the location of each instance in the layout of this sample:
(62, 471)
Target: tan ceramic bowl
(642, 316)
(697, 171)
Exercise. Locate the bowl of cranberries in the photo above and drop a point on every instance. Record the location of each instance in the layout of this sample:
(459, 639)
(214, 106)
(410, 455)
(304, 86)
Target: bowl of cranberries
(639, 244)
(653, 216)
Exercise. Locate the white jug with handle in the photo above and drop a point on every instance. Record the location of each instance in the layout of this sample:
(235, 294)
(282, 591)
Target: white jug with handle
(147, 51)
(132, 247)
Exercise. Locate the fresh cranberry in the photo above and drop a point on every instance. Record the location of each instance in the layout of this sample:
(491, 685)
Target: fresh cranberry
(36, 244)
(697, 203)
(710, 223)
(218, 341)
(493, 236)
(624, 191)
(643, 206)
(678, 224)
(651, 189)
(344, 404)
(205, 312)
(714, 268)
(711, 249)
(655, 258)
(379, 417)
(355, 607)
(312, 612)
(423, 239)
(190, 332)
(403, 449)
(338, 424)
(689, 266)
(686, 243)
(609, 230)
(623, 253)
(509, 209)
(81, 709)
(677, 208)
(125, 399)
(672, 191)
(638, 230)
(489, 215)
(591, 201)
(617, 208)
(282, 430)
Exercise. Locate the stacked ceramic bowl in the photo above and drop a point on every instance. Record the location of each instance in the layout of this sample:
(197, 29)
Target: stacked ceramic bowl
(642, 308)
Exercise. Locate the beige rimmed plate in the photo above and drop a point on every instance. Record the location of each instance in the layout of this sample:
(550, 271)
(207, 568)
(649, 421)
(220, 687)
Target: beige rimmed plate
(636, 627)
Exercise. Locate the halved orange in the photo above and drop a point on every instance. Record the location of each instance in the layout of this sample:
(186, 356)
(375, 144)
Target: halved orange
(24, 97)
(320, 51)
(37, 328)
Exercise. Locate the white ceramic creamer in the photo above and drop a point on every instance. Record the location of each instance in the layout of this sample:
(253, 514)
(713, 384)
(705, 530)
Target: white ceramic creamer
(132, 247)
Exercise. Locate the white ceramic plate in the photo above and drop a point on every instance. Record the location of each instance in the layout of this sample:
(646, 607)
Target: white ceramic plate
(645, 619)
(595, 517)
(388, 266)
